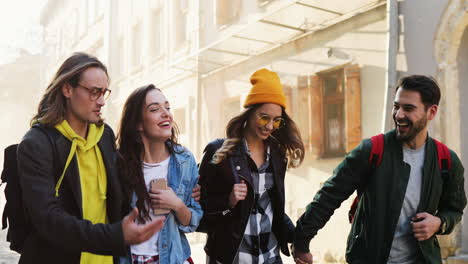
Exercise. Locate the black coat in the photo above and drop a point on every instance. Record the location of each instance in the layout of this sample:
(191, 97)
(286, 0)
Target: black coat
(59, 232)
(225, 226)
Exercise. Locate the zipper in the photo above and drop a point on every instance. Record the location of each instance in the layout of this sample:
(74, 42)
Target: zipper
(243, 235)
(221, 212)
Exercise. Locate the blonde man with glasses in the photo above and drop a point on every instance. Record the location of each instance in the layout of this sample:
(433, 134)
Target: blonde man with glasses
(68, 175)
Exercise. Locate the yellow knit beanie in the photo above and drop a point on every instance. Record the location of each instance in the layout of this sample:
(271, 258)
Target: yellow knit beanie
(266, 88)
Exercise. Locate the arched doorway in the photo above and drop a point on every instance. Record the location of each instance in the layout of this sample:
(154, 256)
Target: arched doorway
(451, 53)
(462, 62)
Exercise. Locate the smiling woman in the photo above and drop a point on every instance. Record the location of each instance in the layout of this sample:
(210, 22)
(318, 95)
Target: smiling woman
(242, 179)
(150, 152)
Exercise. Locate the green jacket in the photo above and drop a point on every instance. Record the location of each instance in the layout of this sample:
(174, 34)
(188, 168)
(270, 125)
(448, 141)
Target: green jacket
(372, 231)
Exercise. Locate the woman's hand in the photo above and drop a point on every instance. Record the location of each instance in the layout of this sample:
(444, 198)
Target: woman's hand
(196, 193)
(165, 199)
(238, 193)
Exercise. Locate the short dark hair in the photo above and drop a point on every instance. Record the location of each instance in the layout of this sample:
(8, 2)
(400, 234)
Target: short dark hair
(426, 86)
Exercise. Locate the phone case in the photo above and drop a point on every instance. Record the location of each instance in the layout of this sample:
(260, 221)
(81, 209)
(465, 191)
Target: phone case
(159, 184)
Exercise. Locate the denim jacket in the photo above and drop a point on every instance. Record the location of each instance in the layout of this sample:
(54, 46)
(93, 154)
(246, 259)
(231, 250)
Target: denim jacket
(182, 177)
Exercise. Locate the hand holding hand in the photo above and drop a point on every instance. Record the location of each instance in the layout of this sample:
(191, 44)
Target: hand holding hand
(238, 193)
(301, 257)
(425, 225)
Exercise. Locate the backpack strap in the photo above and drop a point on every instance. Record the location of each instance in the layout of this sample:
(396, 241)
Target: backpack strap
(443, 157)
(52, 135)
(51, 132)
(9, 175)
(375, 158)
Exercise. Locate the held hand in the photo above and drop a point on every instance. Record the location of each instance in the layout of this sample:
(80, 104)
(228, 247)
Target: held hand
(425, 225)
(301, 257)
(196, 193)
(136, 234)
(165, 199)
(238, 193)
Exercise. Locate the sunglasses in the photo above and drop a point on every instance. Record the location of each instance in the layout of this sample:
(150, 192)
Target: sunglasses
(264, 120)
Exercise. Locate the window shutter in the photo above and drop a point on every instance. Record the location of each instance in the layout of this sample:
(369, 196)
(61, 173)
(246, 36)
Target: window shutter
(316, 114)
(301, 113)
(227, 11)
(352, 107)
(288, 94)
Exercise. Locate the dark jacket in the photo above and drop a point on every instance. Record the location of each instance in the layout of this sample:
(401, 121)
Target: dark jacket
(225, 226)
(379, 208)
(59, 232)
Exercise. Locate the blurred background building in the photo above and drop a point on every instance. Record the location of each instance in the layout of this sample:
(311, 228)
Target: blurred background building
(338, 61)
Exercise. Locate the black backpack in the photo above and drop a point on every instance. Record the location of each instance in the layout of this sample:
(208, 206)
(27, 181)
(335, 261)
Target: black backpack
(14, 215)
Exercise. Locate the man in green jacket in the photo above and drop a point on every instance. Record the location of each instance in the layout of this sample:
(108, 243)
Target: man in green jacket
(406, 200)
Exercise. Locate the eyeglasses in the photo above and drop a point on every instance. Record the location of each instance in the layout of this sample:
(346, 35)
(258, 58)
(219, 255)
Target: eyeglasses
(264, 120)
(95, 93)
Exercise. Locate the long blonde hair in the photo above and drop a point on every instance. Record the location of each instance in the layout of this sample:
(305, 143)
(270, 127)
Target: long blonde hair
(52, 107)
(288, 137)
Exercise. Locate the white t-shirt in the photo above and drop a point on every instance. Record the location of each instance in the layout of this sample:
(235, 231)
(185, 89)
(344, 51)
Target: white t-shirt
(404, 246)
(150, 171)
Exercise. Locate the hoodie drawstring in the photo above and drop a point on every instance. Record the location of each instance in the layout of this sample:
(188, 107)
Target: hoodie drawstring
(70, 156)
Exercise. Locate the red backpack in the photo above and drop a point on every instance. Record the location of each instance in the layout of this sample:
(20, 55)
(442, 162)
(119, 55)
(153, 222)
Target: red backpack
(375, 158)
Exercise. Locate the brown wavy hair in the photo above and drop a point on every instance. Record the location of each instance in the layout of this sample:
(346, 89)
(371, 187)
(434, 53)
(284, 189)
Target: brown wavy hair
(131, 149)
(52, 107)
(287, 137)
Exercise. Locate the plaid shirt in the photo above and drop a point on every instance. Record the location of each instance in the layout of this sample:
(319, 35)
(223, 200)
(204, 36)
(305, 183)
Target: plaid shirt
(139, 259)
(259, 244)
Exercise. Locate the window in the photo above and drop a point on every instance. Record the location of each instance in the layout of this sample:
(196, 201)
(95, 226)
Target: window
(122, 16)
(121, 58)
(156, 32)
(302, 114)
(99, 52)
(229, 108)
(263, 2)
(227, 11)
(82, 24)
(136, 10)
(179, 118)
(74, 26)
(180, 22)
(91, 11)
(287, 89)
(100, 8)
(335, 111)
(136, 45)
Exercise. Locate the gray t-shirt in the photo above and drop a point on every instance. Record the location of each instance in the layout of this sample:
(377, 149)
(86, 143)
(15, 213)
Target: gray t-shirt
(404, 246)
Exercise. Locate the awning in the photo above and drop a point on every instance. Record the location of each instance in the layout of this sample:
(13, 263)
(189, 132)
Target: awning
(286, 24)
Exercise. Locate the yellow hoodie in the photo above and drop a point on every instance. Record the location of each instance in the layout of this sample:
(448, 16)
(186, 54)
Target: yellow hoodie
(93, 179)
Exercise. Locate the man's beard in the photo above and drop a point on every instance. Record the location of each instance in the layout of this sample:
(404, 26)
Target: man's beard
(413, 128)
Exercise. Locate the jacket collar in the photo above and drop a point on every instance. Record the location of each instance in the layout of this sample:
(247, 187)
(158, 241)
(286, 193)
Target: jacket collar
(239, 163)
(179, 158)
